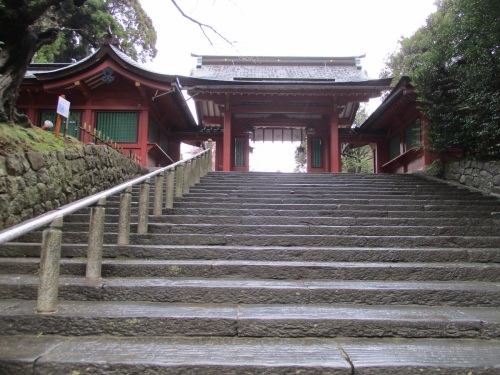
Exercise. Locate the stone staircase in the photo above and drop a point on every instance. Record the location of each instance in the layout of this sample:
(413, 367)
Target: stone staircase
(261, 273)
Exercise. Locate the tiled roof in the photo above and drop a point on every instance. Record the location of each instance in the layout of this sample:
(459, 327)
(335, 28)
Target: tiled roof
(230, 68)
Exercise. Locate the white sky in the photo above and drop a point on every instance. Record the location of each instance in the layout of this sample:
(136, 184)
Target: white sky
(284, 28)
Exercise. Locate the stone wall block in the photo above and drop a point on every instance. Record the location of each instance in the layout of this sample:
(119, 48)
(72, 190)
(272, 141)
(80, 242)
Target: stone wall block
(44, 176)
(74, 153)
(27, 214)
(36, 160)
(3, 185)
(16, 164)
(30, 178)
(12, 186)
(484, 176)
(4, 205)
(3, 167)
(61, 155)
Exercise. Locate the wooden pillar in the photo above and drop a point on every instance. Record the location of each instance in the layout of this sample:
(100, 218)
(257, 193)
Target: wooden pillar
(143, 137)
(32, 115)
(219, 146)
(228, 144)
(335, 162)
(89, 123)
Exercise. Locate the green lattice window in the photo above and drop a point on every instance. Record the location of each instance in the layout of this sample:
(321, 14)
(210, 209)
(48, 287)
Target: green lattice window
(412, 136)
(239, 152)
(118, 126)
(394, 147)
(316, 161)
(72, 126)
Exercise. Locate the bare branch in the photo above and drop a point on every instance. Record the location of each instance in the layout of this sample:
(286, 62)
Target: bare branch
(202, 26)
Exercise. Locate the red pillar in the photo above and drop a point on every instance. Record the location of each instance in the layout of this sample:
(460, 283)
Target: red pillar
(143, 137)
(227, 144)
(335, 162)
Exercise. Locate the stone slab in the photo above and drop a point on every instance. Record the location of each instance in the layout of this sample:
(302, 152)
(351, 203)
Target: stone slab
(173, 355)
(121, 318)
(366, 321)
(423, 356)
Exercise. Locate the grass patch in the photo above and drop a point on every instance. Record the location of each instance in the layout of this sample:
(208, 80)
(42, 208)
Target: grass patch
(19, 140)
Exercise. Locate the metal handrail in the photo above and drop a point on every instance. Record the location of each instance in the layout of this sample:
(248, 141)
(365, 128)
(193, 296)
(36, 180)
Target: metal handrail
(47, 218)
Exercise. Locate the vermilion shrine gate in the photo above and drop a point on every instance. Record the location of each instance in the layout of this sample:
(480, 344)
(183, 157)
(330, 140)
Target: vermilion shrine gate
(280, 99)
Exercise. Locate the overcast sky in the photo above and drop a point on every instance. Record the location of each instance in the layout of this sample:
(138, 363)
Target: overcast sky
(283, 28)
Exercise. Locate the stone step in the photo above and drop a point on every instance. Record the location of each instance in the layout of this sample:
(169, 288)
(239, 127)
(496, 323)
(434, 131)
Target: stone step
(310, 240)
(269, 269)
(48, 354)
(270, 228)
(245, 291)
(83, 219)
(268, 253)
(346, 230)
(409, 206)
(339, 200)
(130, 318)
(332, 212)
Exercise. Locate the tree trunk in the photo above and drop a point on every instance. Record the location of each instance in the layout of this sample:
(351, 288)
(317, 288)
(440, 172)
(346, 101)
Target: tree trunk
(25, 27)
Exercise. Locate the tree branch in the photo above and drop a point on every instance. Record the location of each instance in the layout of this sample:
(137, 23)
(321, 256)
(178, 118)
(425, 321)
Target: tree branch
(202, 26)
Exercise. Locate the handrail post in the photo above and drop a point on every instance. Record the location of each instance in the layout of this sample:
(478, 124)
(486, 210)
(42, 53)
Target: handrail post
(210, 155)
(158, 198)
(192, 175)
(142, 222)
(179, 179)
(199, 163)
(124, 217)
(204, 169)
(50, 261)
(96, 240)
(187, 173)
(169, 199)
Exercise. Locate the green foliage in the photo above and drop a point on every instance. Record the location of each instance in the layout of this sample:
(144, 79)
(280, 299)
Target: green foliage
(82, 29)
(454, 63)
(18, 140)
(300, 157)
(356, 159)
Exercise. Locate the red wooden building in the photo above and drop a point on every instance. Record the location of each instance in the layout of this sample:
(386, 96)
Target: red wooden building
(280, 98)
(236, 99)
(396, 132)
(143, 111)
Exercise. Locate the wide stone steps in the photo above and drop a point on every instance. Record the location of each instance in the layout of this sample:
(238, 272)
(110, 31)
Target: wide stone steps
(238, 355)
(269, 269)
(260, 291)
(268, 253)
(130, 318)
(421, 212)
(307, 240)
(82, 220)
(270, 274)
(302, 229)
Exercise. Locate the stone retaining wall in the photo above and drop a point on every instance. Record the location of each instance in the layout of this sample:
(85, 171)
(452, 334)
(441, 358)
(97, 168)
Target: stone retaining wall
(484, 176)
(35, 183)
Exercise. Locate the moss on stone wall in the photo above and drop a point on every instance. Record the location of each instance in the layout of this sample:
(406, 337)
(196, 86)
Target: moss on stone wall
(36, 182)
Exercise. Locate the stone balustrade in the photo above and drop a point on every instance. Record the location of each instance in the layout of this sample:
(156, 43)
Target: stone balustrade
(174, 180)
